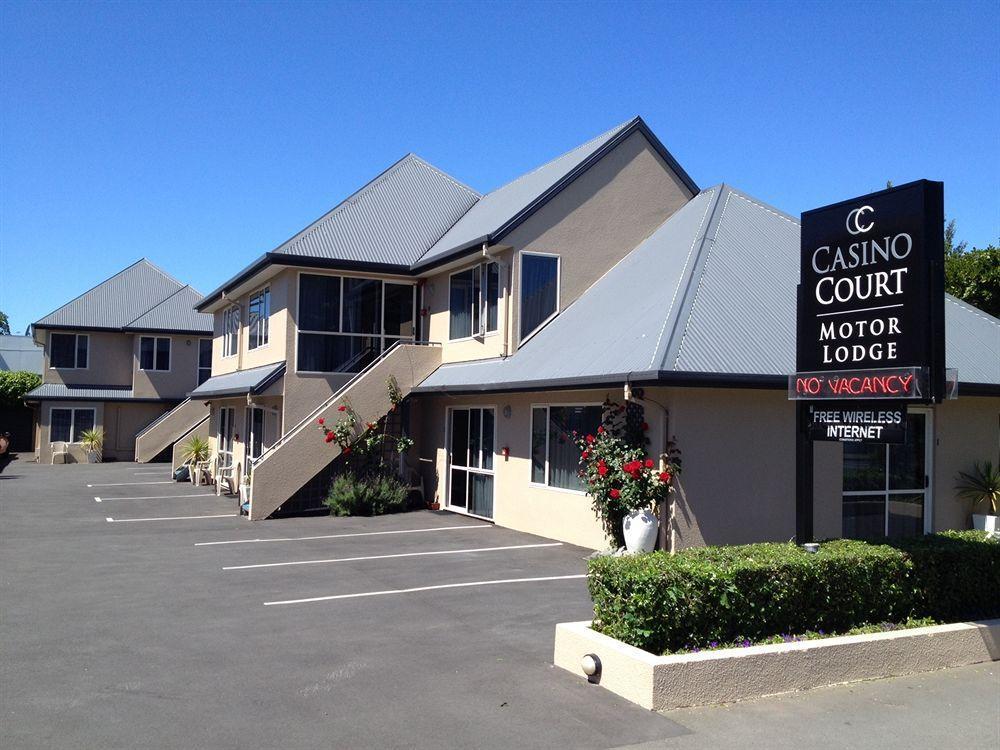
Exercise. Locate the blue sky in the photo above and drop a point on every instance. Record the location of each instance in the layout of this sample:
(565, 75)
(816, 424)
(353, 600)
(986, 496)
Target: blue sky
(201, 135)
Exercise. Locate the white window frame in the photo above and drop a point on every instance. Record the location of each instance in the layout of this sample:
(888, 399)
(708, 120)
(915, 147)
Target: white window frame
(548, 420)
(231, 346)
(76, 350)
(72, 421)
(170, 353)
(198, 365)
(520, 294)
(482, 302)
(476, 470)
(232, 431)
(262, 324)
(381, 335)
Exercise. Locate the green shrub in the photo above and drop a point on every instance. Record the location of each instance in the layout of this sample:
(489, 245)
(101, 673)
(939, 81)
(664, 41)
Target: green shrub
(370, 495)
(661, 603)
(15, 384)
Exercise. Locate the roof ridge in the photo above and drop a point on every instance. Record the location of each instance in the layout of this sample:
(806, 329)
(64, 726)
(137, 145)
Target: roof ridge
(972, 308)
(437, 170)
(159, 270)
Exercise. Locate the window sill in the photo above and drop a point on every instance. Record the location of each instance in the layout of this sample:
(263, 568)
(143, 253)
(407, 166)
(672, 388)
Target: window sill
(564, 490)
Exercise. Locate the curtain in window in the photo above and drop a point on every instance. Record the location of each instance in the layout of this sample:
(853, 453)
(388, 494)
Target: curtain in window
(462, 302)
(362, 306)
(539, 278)
(319, 303)
(564, 456)
(539, 431)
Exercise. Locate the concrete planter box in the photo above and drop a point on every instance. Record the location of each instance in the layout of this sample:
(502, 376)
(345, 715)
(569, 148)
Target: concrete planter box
(726, 675)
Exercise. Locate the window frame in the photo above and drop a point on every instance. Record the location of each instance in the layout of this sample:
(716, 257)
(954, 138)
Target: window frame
(72, 421)
(381, 335)
(548, 419)
(156, 340)
(76, 350)
(262, 322)
(480, 305)
(520, 294)
(227, 342)
(497, 451)
(198, 365)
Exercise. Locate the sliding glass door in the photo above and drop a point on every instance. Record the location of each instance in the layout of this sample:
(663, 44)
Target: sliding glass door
(470, 459)
(887, 487)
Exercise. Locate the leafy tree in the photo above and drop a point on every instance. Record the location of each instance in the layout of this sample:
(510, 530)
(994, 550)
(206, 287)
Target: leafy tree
(4, 324)
(13, 386)
(972, 275)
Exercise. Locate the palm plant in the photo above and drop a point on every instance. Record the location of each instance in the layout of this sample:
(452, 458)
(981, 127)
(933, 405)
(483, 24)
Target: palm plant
(981, 485)
(92, 439)
(196, 450)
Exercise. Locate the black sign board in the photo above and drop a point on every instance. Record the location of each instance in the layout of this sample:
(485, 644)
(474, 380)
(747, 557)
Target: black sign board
(858, 422)
(871, 292)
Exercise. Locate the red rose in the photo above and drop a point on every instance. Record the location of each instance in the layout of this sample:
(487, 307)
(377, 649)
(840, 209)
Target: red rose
(645, 426)
(600, 429)
(649, 463)
(347, 449)
(590, 438)
(602, 468)
(329, 437)
(615, 494)
(664, 476)
(321, 421)
(585, 455)
(341, 408)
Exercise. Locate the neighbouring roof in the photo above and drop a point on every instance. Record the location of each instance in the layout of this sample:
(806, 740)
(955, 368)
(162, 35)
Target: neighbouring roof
(20, 353)
(140, 297)
(237, 383)
(61, 392)
(414, 216)
(709, 296)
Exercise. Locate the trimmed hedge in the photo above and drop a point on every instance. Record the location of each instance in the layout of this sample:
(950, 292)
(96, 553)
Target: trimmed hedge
(662, 603)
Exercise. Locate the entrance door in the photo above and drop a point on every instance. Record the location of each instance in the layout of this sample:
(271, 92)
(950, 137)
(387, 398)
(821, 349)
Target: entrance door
(470, 458)
(887, 487)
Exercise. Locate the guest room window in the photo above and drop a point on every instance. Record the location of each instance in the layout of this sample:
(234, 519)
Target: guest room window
(258, 314)
(473, 296)
(68, 351)
(231, 331)
(555, 459)
(68, 425)
(539, 291)
(154, 353)
(204, 360)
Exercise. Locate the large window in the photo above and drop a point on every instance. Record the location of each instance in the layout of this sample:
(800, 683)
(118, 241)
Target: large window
(231, 331)
(154, 353)
(346, 322)
(258, 314)
(68, 425)
(539, 291)
(555, 459)
(69, 351)
(204, 360)
(473, 296)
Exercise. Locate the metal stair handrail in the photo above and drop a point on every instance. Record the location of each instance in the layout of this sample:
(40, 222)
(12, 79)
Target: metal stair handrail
(312, 416)
(160, 418)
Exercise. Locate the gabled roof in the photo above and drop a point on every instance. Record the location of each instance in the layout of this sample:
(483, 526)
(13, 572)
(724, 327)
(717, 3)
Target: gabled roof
(708, 297)
(500, 211)
(129, 296)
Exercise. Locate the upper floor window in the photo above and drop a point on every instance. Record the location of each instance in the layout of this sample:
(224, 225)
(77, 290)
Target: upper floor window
(473, 296)
(69, 351)
(231, 331)
(258, 314)
(154, 353)
(539, 291)
(204, 360)
(345, 322)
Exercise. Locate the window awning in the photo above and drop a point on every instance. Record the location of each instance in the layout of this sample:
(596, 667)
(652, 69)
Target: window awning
(240, 382)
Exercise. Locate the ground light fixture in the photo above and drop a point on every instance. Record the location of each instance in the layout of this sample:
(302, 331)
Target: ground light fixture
(811, 547)
(591, 666)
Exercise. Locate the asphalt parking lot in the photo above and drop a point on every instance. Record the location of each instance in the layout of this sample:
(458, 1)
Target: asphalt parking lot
(156, 618)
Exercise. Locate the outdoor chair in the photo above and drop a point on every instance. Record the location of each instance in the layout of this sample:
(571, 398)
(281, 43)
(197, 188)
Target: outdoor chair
(228, 476)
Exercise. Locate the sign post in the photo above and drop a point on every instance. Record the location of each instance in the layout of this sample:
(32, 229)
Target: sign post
(870, 323)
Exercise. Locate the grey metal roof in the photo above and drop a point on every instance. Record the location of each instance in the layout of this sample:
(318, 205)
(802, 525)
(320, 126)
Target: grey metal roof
(175, 313)
(711, 293)
(60, 392)
(126, 297)
(20, 353)
(391, 220)
(237, 383)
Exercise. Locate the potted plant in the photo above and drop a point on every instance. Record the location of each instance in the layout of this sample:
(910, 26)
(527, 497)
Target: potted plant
(194, 452)
(624, 483)
(982, 487)
(92, 441)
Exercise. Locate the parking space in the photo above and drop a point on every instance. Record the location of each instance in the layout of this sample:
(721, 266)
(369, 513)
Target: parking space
(179, 624)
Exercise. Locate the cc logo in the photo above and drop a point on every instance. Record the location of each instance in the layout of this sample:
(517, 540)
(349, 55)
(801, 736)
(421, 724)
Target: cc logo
(854, 220)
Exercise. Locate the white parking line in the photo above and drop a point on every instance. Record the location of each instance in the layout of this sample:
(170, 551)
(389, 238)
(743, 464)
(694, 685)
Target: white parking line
(425, 588)
(150, 473)
(129, 484)
(342, 536)
(155, 497)
(168, 518)
(389, 557)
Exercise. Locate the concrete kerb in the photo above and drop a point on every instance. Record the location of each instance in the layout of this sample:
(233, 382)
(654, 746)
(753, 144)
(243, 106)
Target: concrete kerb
(727, 675)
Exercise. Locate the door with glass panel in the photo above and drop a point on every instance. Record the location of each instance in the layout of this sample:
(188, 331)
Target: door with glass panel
(887, 487)
(470, 460)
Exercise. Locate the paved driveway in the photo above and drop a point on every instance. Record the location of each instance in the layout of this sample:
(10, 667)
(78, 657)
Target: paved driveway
(155, 618)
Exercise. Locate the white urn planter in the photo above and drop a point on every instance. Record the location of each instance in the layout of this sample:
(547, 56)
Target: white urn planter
(639, 529)
(982, 522)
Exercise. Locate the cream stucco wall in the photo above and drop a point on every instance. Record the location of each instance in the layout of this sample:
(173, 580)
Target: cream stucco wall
(277, 347)
(45, 422)
(966, 430)
(120, 421)
(109, 361)
(179, 380)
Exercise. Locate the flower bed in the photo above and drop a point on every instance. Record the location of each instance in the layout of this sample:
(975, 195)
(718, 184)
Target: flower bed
(665, 603)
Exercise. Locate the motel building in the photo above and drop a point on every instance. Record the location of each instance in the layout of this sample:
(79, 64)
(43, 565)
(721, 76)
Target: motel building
(508, 320)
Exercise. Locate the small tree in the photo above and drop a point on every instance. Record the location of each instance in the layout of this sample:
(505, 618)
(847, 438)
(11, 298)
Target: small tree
(14, 385)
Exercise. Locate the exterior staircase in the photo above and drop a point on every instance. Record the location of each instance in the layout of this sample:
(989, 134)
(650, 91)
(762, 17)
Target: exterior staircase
(170, 428)
(300, 454)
